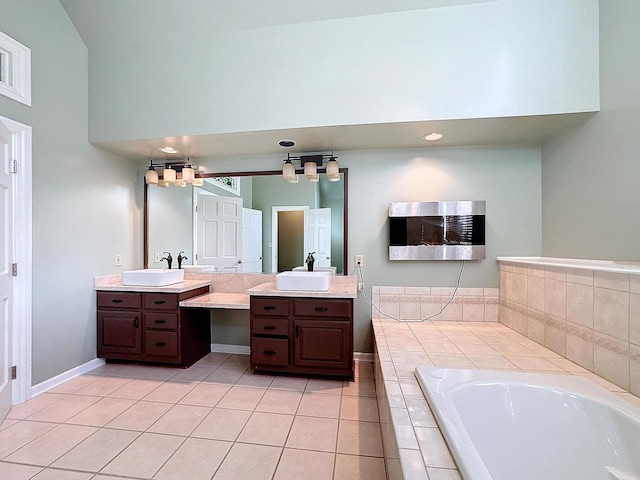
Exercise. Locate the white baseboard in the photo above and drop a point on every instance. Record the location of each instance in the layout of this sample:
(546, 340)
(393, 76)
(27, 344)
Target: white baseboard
(65, 376)
(363, 357)
(226, 348)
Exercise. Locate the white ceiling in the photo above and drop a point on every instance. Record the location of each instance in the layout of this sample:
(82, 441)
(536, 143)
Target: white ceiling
(101, 22)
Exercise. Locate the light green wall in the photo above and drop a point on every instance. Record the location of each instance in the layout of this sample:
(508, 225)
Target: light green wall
(590, 174)
(84, 209)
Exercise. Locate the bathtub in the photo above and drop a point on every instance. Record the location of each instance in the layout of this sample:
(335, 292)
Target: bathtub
(524, 426)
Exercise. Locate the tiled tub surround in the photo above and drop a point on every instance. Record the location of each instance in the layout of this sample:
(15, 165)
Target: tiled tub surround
(418, 303)
(414, 448)
(586, 311)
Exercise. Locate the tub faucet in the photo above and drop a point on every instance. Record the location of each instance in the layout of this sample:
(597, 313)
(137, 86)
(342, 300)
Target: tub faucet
(181, 257)
(169, 259)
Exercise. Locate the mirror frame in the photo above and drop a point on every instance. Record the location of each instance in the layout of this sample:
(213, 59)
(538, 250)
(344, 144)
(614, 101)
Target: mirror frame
(345, 210)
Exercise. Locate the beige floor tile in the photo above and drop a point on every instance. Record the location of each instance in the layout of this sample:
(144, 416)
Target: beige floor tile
(331, 387)
(10, 471)
(196, 459)
(170, 392)
(205, 394)
(136, 389)
(19, 434)
(363, 370)
(140, 416)
(318, 405)
(307, 465)
(267, 429)
(93, 453)
(104, 386)
(180, 420)
(54, 474)
(249, 462)
(75, 384)
(144, 457)
(64, 409)
(242, 398)
(363, 409)
(362, 387)
(101, 412)
(222, 424)
(297, 384)
(195, 373)
(359, 438)
(34, 405)
(359, 467)
(214, 359)
(313, 433)
(160, 373)
(249, 379)
(120, 370)
(236, 361)
(49, 447)
(6, 423)
(279, 401)
(225, 376)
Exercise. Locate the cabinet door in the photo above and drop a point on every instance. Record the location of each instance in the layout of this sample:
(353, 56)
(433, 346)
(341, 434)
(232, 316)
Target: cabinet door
(119, 332)
(322, 343)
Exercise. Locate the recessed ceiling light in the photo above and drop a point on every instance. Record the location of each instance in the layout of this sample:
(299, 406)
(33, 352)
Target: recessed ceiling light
(286, 143)
(168, 150)
(433, 136)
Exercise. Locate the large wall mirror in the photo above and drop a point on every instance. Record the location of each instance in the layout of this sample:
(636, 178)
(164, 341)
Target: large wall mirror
(252, 222)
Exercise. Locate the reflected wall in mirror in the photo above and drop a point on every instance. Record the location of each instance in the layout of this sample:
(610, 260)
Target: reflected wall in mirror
(261, 223)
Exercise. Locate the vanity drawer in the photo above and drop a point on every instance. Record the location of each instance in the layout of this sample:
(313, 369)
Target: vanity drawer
(268, 306)
(312, 307)
(270, 326)
(160, 301)
(119, 299)
(269, 351)
(163, 344)
(161, 321)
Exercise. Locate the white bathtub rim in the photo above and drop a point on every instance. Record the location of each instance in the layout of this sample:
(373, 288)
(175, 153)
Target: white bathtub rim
(613, 266)
(439, 384)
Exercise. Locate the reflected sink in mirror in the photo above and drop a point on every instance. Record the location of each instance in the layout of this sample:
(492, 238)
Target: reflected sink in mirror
(331, 270)
(152, 277)
(199, 268)
(304, 281)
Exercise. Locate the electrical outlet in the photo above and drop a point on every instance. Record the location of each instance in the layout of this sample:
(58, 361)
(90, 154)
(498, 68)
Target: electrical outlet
(359, 260)
(157, 257)
(117, 260)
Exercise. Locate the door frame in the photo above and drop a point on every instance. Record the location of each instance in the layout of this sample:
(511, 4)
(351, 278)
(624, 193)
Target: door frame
(23, 256)
(274, 230)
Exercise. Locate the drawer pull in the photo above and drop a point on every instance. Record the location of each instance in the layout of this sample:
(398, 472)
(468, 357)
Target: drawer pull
(161, 321)
(269, 308)
(268, 352)
(297, 331)
(117, 300)
(159, 302)
(136, 322)
(270, 327)
(321, 309)
(161, 344)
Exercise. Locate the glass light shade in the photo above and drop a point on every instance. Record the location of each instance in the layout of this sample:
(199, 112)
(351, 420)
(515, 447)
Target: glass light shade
(310, 170)
(188, 174)
(169, 175)
(163, 183)
(198, 182)
(316, 178)
(288, 171)
(151, 176)
(181, 183)
(333, 172)
(293, 180)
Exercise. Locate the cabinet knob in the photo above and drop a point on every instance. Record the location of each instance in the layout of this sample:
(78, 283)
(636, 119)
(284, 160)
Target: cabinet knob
(297, 331)
(160, 302)
(136, 322)
(269, 308)
(270, 327)
(161, 321)
(161, 344)
(117, 300)
(268, 352)
(321, 309)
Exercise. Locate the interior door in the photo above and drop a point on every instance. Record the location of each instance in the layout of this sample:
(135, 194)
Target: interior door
(317, 235)
(6, 259)
(251, 240)
(219, 237)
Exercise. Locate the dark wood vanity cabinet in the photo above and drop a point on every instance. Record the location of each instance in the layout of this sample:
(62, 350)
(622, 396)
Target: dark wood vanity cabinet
(151, 327)
(302, 335)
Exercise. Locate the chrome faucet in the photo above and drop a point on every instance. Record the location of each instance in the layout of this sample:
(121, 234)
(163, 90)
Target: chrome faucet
(169, 259)
(181, 257)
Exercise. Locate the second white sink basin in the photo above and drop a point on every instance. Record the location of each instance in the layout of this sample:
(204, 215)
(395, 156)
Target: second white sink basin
(152, 277)
(306, 281)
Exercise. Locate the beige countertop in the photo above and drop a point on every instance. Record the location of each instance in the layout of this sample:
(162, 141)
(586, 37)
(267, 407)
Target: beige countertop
(113, 283)
(235, 301)
(341, 287)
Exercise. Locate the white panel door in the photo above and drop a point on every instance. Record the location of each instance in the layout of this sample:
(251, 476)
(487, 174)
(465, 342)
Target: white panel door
(251, 240)
(219, 237)
(317, 235)
(6, 259)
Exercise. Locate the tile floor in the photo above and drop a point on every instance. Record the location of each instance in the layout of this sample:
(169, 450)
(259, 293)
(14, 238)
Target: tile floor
(215, 420)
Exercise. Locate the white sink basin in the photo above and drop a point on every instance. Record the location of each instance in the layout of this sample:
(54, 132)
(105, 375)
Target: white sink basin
(152, 277)
(306, 281)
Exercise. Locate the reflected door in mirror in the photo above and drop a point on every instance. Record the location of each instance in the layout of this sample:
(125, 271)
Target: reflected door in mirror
(219, 229)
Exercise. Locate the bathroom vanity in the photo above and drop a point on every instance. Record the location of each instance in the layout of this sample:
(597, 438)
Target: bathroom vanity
(301, 332)
(146, 324)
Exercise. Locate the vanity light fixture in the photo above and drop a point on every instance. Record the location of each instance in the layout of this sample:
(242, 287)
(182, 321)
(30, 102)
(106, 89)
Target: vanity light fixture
(310, 165)
(433, 136)
(176, 172)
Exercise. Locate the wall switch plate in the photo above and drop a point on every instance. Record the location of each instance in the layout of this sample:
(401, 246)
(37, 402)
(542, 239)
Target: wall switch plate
(157, 258)
(360, 260)
(117, 260)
